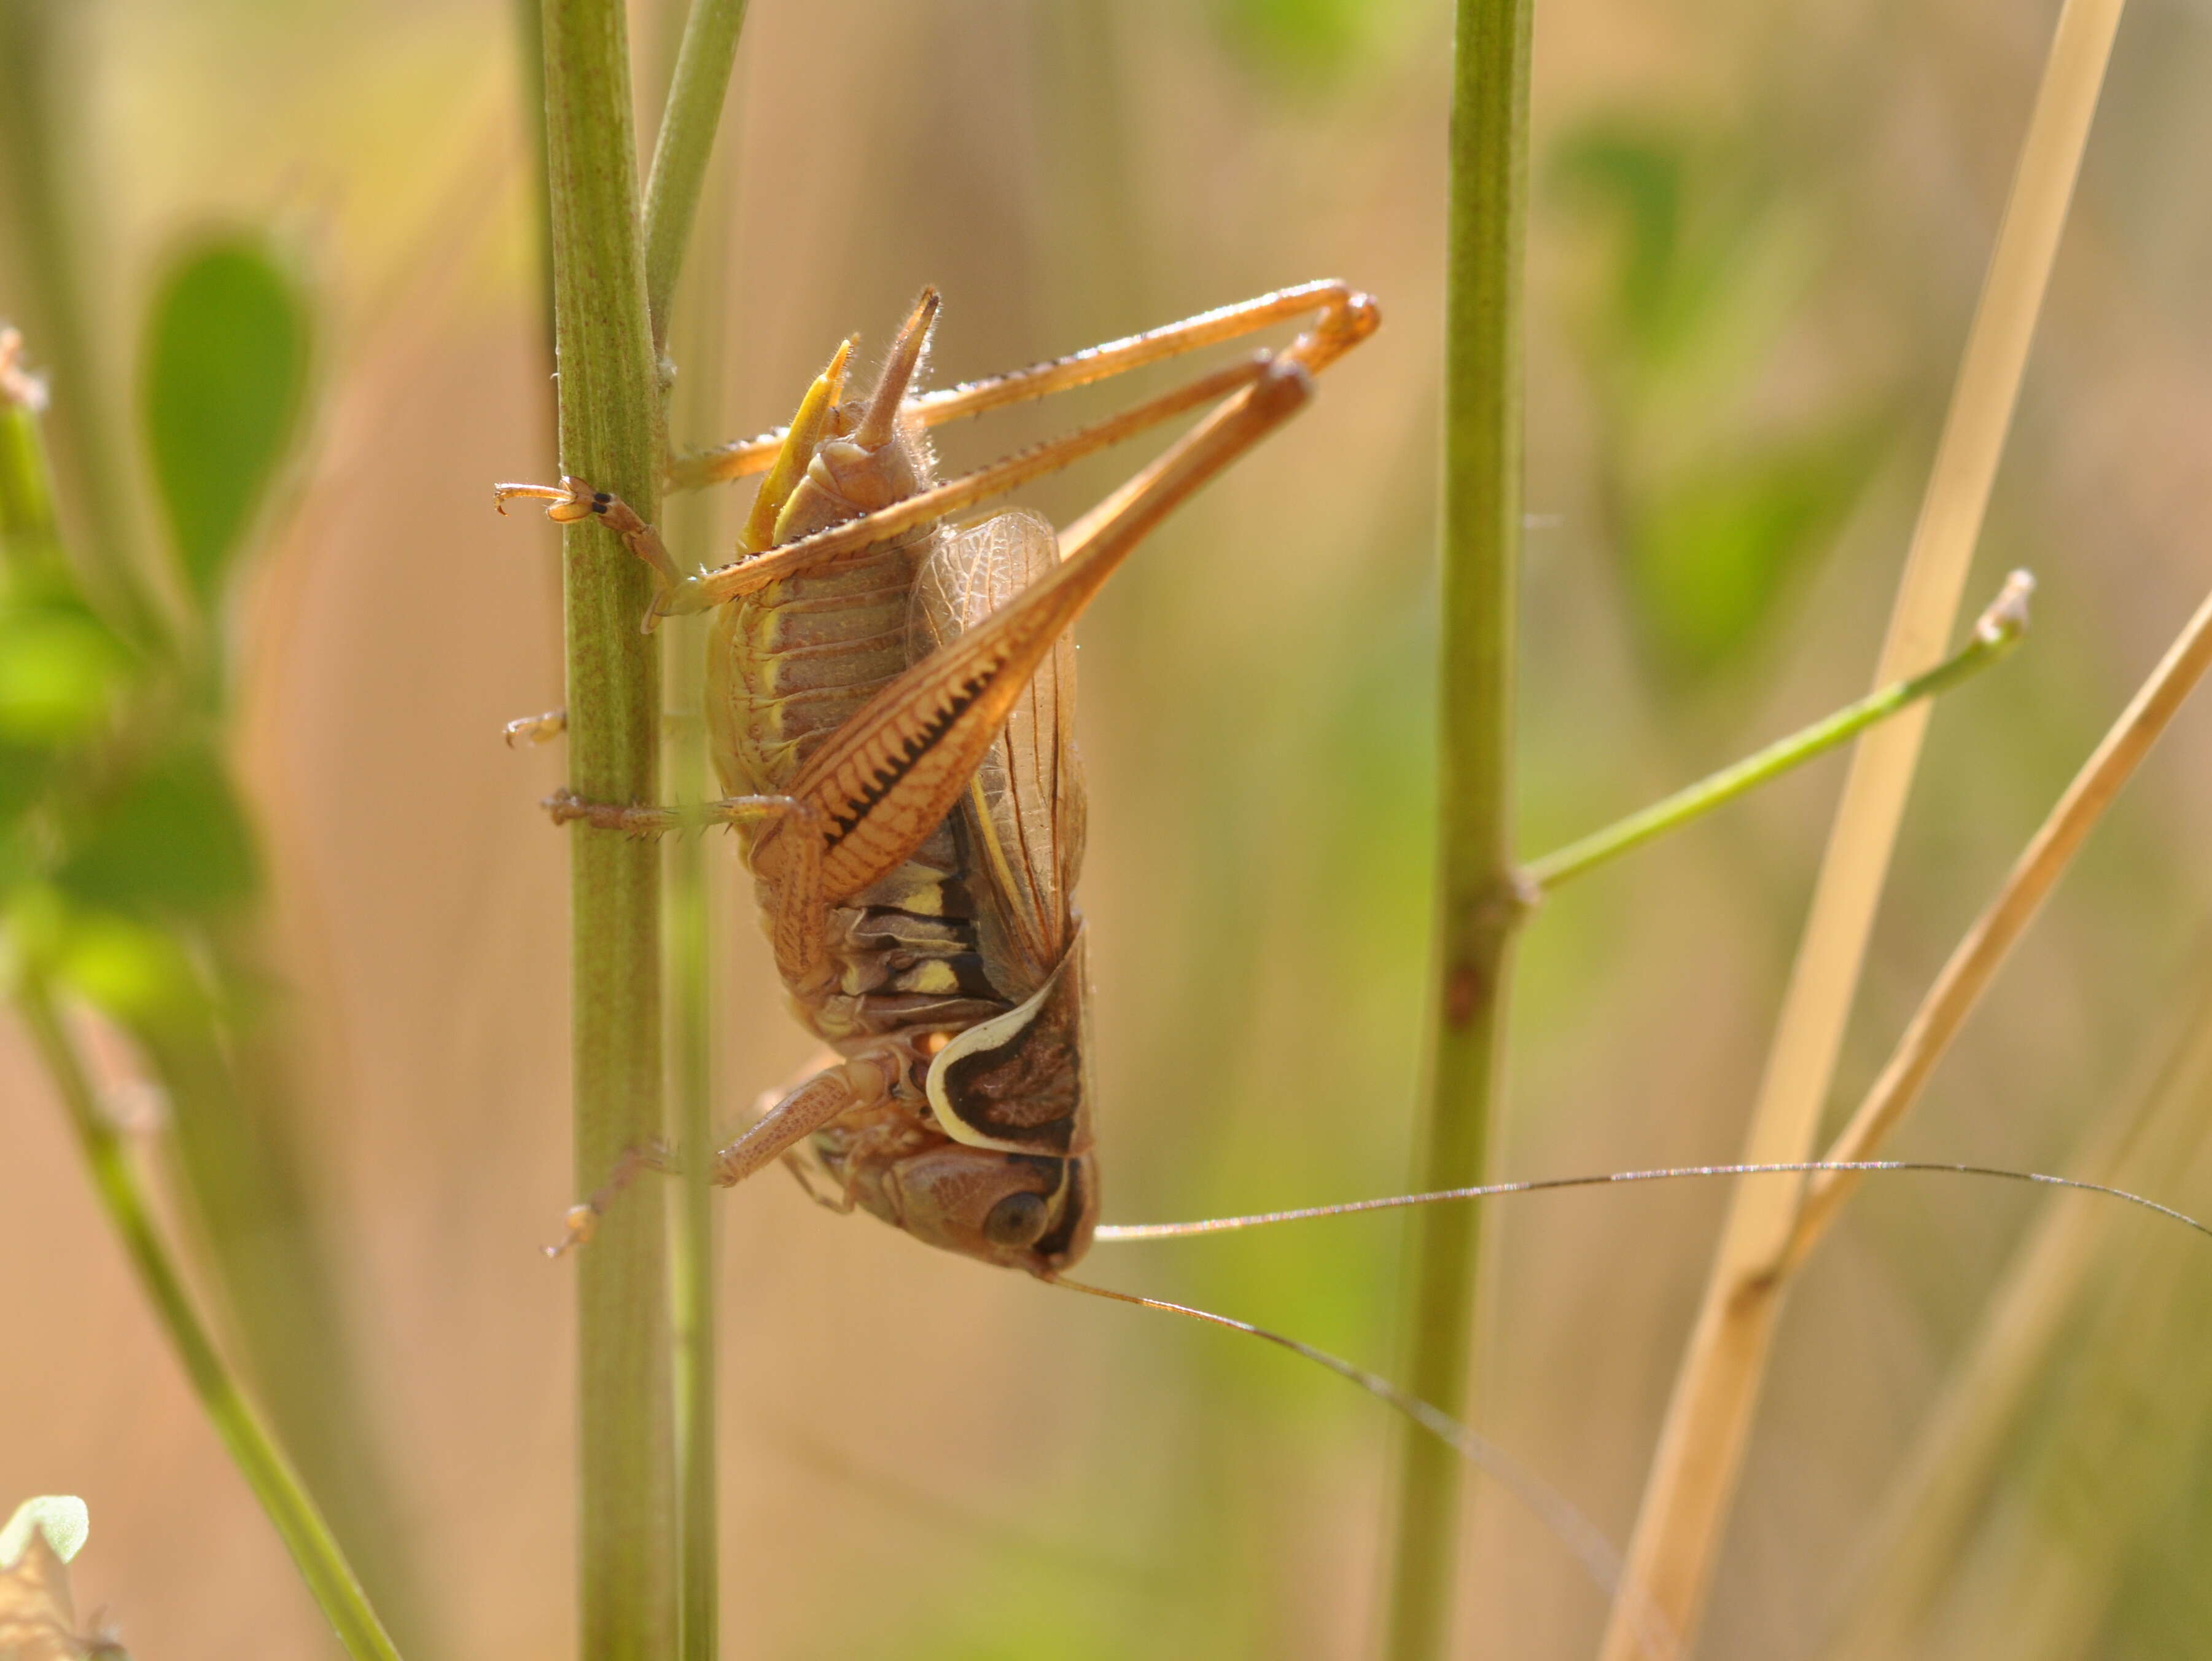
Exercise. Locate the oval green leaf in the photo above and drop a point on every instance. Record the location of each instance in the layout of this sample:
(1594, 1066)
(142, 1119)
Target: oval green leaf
(223, 382)
(172, 840)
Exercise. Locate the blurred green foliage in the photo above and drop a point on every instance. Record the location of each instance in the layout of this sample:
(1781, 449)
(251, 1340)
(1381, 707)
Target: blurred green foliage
(172, 840)
(118, 820)
(1316, 45)
(1714, 513)
(130, 871)
(1711, 551)
(223, 385)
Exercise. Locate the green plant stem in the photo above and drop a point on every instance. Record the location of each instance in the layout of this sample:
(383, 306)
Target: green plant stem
(610, 435)
(683, 146)
(683, 152)
(263, 1464)
(691, 1269)
(236, 1164)
(1479, 899)
(1994, 636)
(691, 530)
(235, 1118)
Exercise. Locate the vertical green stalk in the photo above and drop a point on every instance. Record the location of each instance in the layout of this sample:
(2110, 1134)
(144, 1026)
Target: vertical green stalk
(688, 914)
(684, 144)
(610, 435)
(691, 1264)
(315, 1549)
(683, 150)
(1479, 898)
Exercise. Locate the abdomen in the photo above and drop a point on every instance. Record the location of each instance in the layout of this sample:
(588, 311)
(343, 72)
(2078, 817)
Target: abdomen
(786, 668)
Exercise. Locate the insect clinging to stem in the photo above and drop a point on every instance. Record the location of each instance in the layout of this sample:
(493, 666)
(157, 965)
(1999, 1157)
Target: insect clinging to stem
(890, 698)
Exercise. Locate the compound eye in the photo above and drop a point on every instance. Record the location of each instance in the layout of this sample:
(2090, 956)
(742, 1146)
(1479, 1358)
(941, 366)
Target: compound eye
(1019, 1220)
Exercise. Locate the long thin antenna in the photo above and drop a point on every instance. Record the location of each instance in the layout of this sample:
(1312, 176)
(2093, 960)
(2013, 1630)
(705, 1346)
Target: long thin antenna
(1596, 1554)
(1124, 1232)
(1588, 1544)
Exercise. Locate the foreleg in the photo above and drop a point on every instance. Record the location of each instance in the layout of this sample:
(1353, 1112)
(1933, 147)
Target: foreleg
(863, 1081)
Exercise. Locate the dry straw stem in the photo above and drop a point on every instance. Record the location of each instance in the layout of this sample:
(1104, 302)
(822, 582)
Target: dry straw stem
(1693, 1475)
(1956, 1452)
(1479, 900)
(2100, 1484)
(1977, 958)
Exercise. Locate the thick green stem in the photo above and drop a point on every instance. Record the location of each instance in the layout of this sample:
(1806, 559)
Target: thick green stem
(684, 145)
(1479, 898)
(610, 435)
(267, 1472)
(1994, 636)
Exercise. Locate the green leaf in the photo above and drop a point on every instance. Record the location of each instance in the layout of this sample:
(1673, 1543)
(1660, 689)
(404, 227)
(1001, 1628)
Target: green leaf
(1313, 43)
(223, 384)
(60, 671)
(1637, 175)
(1712, 554)
(175, 839)
(62, 1518)
(135, 973)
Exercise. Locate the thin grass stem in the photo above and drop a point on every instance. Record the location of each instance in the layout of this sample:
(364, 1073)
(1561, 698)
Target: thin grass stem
(1994, 636)
(683, 146)
(1479, 895)
(697, 333)
(314, 1548)
(692, 1245)
(1692, 1485)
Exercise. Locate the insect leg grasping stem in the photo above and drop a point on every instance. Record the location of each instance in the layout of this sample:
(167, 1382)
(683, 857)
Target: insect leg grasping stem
(574, 500)
(567, 807)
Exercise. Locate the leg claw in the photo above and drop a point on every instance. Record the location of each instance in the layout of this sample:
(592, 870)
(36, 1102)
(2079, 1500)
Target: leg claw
(536, 729)
(577, 1227)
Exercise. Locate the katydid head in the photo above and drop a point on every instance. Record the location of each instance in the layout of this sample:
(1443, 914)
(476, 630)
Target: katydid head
(1017, 1210)
(994, 1160)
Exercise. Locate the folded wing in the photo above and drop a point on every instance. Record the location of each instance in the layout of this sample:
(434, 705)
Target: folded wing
(1023, 813)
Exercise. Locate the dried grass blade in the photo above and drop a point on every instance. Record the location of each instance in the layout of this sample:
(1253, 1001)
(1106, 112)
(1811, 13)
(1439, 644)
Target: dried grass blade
(1693, 1480)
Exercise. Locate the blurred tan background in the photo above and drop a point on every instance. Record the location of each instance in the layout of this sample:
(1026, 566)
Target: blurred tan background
(1756, 239)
